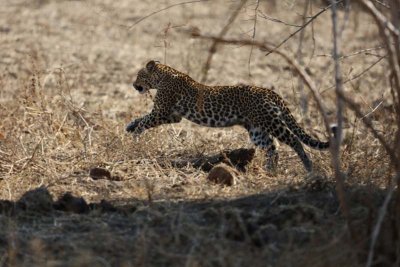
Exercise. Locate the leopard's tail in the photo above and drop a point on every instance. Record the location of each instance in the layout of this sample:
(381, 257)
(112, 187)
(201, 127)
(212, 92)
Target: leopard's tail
(302, 135)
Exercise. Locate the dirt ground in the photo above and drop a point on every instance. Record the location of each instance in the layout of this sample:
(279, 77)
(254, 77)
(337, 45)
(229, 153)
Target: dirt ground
(66, 95)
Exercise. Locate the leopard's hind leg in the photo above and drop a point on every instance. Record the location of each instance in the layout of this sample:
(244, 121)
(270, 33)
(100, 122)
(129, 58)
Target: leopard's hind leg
(284, 135)
(263, 140)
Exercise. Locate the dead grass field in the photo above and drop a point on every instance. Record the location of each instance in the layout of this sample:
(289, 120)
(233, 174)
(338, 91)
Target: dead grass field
(66, 69)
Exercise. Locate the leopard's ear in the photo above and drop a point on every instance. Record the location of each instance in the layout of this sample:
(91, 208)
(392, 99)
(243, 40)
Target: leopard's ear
(150, 66)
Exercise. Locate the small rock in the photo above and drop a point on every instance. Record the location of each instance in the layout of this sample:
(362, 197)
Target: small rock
(222, 174)
(99, 173)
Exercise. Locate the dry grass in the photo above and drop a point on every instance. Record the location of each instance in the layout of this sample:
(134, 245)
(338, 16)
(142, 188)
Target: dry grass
(65, 97)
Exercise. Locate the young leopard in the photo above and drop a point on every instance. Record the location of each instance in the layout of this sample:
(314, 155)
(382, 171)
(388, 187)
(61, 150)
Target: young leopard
(261, 111)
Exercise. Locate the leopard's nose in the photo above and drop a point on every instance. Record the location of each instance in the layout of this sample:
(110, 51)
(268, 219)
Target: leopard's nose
(138, 87)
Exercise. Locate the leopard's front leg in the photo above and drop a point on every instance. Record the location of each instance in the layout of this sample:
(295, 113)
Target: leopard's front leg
(150, 120)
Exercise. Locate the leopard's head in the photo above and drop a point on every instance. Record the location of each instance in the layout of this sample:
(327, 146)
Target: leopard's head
(148, 77)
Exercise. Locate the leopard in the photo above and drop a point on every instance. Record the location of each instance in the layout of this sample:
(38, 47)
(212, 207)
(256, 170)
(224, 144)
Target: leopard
(261, 111)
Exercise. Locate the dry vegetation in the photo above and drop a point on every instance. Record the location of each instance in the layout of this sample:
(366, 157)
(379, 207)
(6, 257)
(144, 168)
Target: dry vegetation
(66, 69)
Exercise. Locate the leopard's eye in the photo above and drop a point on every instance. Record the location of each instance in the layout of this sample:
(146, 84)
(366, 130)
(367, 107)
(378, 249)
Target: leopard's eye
(138, 87)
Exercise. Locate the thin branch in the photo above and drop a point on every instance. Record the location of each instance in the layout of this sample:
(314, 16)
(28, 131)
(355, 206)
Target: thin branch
(303, 97)
(368, 123)
(382, 4)
(373, 110)
(338, 85)
(346, 17)
(213, 47)
(365, 70)
(163, 9)
(254, 34)
(312, 35)
(356, 53)
(265, 16)
(358, 75)
(312, 18)
(335, 141)
(390, 35)
(379, 17)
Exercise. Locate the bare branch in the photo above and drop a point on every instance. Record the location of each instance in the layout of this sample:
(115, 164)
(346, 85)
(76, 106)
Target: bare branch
(379, 17)
(335, 141)
(253, 35)
(353, 106)
(303, 97)
(358, 75)
(163, 9)
(265, 16)
(381, 3)
(213, 47)
(338, 86)
(373, 110)
(356, 53)
(390, 35)
(312, 18)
